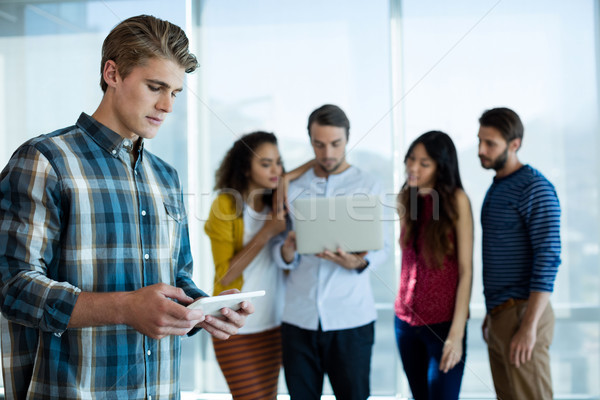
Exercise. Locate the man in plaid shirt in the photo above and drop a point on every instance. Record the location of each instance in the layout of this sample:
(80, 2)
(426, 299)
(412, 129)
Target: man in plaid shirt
(95, 262)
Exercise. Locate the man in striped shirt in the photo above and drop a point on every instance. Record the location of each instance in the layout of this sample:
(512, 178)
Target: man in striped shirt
(95, 262)
(520, 219)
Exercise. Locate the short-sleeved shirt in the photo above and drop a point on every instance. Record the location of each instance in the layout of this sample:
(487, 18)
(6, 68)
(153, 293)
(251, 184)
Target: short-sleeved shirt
(77, 215)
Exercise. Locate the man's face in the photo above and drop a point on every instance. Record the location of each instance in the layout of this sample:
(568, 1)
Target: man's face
(493, 148)
(144, 98)
(329, 145)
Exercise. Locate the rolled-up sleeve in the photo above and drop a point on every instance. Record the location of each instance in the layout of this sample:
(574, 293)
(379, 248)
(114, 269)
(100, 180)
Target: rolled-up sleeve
(30, 229)
(275, 249)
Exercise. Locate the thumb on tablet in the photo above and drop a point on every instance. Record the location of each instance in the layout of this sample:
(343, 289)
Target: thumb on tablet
(175, 293)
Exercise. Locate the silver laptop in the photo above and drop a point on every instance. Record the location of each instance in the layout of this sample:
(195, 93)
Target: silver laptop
(352, 223)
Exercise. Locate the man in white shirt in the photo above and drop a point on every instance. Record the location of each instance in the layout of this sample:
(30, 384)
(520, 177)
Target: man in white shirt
(329, 314)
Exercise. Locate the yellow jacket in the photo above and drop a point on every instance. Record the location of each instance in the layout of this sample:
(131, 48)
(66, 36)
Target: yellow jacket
(225, 228)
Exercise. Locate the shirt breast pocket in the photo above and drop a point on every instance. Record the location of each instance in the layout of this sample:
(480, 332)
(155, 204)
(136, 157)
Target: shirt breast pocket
(175, 218)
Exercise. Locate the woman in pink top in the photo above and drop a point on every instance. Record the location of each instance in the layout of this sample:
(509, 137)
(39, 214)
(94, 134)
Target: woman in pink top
(436, 239)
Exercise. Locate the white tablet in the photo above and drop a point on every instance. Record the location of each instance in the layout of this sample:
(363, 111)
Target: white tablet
(213, 305)
(352, 223)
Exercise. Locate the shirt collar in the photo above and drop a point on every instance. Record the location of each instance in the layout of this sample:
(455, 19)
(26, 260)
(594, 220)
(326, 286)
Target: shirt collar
(333, 177)
(106, 138)
(514, 173)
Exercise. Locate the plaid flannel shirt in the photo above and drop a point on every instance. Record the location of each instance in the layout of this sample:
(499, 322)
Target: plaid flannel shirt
(77, 215)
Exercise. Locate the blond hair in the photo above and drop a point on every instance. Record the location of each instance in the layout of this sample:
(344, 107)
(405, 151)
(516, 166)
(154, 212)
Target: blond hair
(137, 39)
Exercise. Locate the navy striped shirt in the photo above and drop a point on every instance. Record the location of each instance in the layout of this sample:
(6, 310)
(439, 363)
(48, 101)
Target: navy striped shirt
(520, 219)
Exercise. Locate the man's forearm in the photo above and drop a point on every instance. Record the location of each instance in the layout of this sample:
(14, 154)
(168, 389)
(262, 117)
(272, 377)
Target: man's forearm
(98, 309)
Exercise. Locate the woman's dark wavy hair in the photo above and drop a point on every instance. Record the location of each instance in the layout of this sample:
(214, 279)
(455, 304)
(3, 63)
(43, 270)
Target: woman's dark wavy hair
(437, 245)
(235, 167)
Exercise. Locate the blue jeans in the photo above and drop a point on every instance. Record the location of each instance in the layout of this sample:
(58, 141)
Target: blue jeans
(421, 351)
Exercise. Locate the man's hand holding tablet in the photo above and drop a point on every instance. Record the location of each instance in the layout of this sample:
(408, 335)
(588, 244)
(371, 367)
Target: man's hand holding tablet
(227, 321)
(213, 305)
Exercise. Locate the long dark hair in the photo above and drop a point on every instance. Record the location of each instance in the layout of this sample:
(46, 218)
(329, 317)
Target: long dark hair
(232, 174)
(437, 245)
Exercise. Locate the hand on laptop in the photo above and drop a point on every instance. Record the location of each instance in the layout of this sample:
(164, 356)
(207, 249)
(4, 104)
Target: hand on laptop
(346, 260)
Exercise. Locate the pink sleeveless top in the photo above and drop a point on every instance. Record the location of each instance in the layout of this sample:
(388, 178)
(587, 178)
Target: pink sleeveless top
(426, 295)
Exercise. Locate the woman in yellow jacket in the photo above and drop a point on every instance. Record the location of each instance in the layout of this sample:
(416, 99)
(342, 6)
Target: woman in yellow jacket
(240, 226)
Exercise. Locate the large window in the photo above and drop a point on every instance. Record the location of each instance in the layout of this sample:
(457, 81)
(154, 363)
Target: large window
(398, 68)
(538, 57)
(266, 65)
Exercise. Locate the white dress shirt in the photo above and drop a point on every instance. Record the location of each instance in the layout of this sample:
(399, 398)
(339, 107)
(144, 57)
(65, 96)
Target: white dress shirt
(320, 290)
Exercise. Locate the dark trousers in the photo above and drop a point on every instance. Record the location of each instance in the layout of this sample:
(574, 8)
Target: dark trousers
(344, 355)
(421, 352)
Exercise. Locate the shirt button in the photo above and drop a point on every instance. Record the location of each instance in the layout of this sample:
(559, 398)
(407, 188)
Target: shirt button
(146, 256)
(149, 352)
(114, 152)
(143, 213)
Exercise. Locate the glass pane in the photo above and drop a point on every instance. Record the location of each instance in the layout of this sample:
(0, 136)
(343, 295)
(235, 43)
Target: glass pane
(538, 58)
(265, 66)
(46, 83)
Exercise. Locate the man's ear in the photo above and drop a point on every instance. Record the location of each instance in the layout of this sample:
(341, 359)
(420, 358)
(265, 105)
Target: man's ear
(110, 73)
(515, 144)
